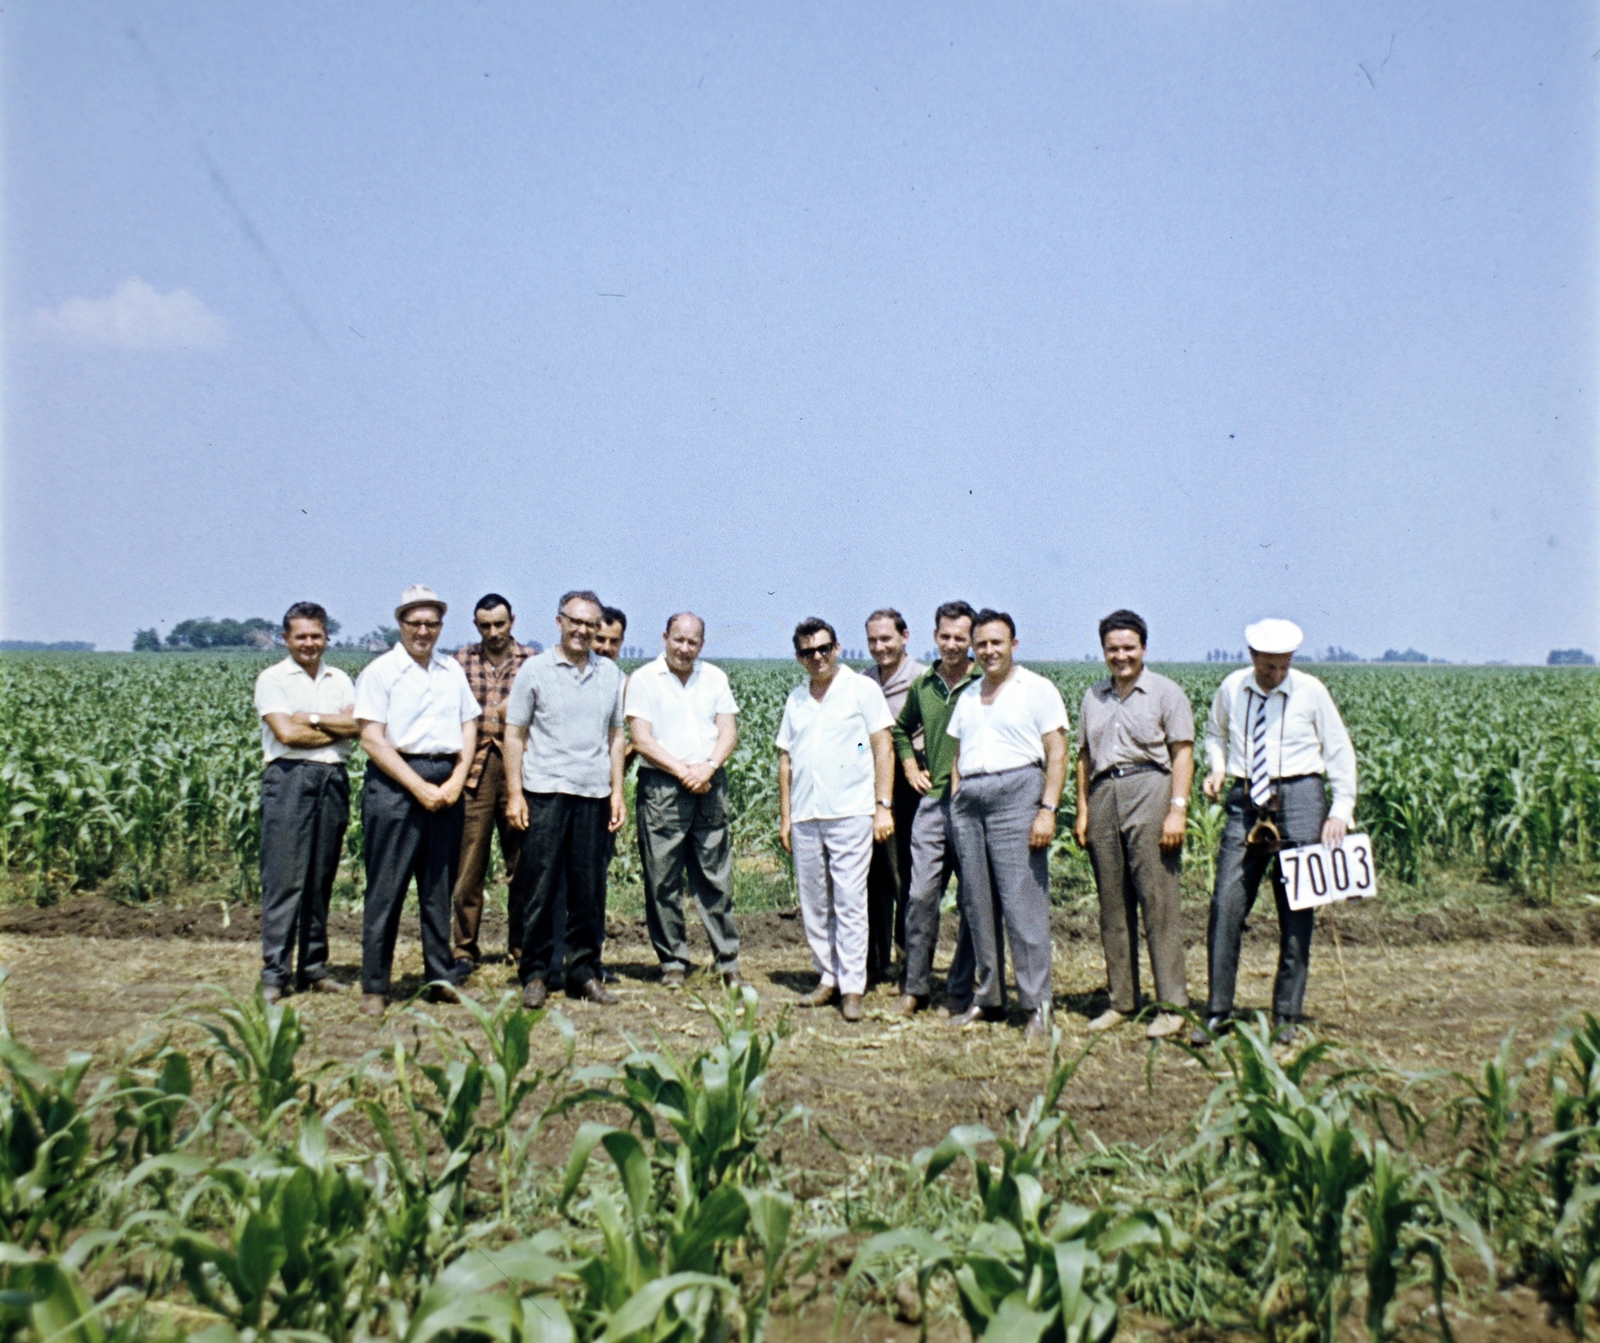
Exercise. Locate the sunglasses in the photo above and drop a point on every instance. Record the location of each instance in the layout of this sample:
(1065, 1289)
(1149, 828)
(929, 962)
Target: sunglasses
(820, 651)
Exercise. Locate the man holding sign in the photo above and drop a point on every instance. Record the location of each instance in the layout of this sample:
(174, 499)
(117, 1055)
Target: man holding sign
(1276, 733)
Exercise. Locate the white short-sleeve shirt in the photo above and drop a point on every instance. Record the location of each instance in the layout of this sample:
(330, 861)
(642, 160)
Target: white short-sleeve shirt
(285, 687)
(422, 709)
(1008, 733)
(682, 714)
(830, 747)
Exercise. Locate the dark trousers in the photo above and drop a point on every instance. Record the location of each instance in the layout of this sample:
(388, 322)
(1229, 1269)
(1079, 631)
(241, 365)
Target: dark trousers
(1303, 809)
(305, 810)
(565, 850)
(484, 817)
(403, 839)
(684, 840)
(888, 882)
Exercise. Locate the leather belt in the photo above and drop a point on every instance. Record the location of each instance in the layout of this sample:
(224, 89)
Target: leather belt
(1122, 771)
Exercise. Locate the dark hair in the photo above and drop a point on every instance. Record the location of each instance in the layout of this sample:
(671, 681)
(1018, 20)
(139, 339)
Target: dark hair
(489, 601)
(1125, 620)
(676, 616)
(305, 611)
(989, 616)
(955, 611)
(812, 625)
(611, 615)
(889, 613)
(580, 594)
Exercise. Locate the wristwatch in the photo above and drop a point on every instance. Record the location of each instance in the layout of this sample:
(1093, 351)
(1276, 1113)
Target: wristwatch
(886, 802)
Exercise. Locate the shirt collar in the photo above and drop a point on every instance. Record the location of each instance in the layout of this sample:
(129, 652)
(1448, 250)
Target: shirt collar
(559, 654)
(661, 667)
(323, 669)
(930, 674)
(1285, 686)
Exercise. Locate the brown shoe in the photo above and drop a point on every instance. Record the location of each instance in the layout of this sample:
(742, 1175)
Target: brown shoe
(948, 1009)
(271, 993)
(1038, 1027)
(732, 979)
(908, 1005)
(372, 1004)
(533, 994)
(596, 992)
(850, 1007)
(976, 1016)
(325, 985)
(820, 996)
(672, 979)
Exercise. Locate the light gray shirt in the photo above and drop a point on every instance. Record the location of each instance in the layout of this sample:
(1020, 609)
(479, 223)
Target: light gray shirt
(1138, 730)
(569, 713)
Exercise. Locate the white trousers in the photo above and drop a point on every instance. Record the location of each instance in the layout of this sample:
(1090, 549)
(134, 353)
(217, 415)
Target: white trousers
(831, 859)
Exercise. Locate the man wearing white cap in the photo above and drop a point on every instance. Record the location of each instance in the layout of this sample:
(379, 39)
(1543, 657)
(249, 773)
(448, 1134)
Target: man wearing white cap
(1276, 733)
(419, 728)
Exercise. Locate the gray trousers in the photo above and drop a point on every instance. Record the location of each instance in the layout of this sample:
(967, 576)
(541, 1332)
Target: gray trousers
(1304, 807)
(1131, 870)
(305, 810)
(933, 860)
(683, 839)
(1004, 882)
(401, 838)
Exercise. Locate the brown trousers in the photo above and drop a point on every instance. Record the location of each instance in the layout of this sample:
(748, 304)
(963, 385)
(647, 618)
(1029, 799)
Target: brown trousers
(485, 815)
(1131, 870)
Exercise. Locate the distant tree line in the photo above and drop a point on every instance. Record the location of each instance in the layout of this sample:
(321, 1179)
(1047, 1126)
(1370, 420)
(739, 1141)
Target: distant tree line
(34, 646)
(202, 632)
(1569, 657)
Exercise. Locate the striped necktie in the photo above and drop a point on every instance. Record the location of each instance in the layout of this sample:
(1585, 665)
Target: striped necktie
(1260, 779)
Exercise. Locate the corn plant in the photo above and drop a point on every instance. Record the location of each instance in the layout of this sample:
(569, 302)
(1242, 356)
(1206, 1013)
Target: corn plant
(1572, 1252)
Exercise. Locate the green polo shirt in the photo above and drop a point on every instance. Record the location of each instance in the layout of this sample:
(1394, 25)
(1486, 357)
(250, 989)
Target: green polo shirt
(929, 704)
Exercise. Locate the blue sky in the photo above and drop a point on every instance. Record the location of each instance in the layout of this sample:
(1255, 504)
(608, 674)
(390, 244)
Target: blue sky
(1213, 310)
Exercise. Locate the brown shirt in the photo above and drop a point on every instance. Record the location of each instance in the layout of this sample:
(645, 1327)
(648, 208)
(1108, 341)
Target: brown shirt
(1138, 730)
(490, 687)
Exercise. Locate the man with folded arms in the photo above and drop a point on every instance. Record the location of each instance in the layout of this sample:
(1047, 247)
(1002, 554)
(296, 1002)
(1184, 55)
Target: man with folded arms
(564, 742)
(1135, 765)
(1277, 734)
(306, 726)
(835, 763)
(491, 665)
(926, 754)
(419, 728)
(1005, 784)
(889, 877)
(685, 725)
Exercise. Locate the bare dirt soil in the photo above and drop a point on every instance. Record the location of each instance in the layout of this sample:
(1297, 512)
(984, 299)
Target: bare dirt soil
(1418, 992)
(1415, 992)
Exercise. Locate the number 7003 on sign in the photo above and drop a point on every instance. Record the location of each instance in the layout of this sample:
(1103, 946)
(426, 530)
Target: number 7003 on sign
(1316, 875)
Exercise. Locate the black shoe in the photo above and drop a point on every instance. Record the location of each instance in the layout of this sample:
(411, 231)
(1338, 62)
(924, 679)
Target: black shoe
(609, 976)
(462, 970)
(1207, 1034)
(1283, 1030)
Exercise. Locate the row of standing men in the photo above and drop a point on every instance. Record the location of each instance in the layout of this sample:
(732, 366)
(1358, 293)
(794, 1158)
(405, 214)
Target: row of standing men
(981, 744)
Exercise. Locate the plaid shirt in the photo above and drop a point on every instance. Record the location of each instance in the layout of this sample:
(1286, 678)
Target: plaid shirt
(490, 686)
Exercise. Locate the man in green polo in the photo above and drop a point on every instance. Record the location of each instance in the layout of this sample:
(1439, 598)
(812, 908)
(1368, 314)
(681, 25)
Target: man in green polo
(926, 755)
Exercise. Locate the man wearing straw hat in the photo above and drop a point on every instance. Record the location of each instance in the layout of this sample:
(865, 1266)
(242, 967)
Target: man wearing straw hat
(419, 728)
(1276, 734)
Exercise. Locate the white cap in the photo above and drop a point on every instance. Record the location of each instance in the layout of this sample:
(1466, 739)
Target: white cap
(1274, 636)
(418, 594)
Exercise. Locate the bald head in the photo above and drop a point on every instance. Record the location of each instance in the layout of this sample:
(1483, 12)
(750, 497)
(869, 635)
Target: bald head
(681, 644)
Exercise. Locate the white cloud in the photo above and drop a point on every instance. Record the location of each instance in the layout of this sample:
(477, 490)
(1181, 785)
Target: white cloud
(135, 317)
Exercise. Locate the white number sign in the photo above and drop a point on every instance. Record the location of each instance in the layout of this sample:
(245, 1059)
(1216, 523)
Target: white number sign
(1316, 875)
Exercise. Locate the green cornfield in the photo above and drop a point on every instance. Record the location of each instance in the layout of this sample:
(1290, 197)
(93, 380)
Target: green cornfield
(129, 773)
